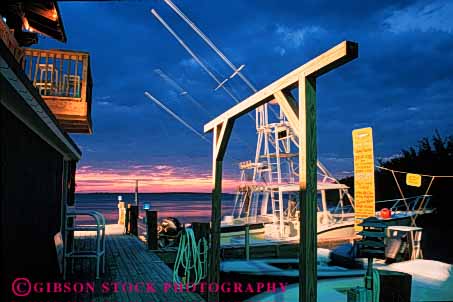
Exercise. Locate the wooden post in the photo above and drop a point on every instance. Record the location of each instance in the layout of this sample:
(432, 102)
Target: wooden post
(64, 197)
(121, 210)
(137, 202)
(151, 229)
(127, 218)
(221, 136)
(133, 220)
(307, 189)
(201, 230)
(214, 260)
(247, 242)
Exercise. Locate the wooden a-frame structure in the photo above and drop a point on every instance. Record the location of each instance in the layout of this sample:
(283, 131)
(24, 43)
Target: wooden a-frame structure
(302, 119)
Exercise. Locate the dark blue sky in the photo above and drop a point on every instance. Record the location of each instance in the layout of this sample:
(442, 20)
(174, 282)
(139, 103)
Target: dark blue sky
(401, 84)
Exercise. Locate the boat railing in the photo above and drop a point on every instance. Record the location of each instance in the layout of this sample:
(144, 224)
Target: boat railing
(413, 203)
(342, 209)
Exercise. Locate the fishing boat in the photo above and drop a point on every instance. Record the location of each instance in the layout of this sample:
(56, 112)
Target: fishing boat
(332, 222)
(267, 200)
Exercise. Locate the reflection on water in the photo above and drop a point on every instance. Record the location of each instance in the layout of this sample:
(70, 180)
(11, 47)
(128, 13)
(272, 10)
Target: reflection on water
(187, 207)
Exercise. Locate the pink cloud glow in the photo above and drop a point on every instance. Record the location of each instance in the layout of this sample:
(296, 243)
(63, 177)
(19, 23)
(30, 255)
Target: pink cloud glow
(152, 179)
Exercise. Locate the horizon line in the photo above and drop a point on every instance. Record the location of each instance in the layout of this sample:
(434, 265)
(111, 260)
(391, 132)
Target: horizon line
(149, 192)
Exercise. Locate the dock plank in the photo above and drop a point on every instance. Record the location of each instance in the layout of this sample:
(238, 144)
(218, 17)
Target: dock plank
(127, 260)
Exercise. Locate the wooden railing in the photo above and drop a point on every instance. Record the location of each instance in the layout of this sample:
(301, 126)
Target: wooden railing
(63, 78)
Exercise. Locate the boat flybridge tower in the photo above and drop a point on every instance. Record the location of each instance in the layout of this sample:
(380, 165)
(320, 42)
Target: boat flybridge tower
(274, 172)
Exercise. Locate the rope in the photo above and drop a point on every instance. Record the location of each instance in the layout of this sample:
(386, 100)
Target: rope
(397, 199)
(424, 175)
(427, 190)
(404, 199)
(424, 196)
(191, 259)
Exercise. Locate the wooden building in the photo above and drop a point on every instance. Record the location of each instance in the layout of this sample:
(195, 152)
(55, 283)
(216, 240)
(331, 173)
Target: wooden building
(43, 96)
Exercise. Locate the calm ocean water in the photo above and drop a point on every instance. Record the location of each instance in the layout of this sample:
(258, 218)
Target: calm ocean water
(186, 207)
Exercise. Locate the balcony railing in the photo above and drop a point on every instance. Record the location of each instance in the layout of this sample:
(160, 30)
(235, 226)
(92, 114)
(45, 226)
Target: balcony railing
(63, 78)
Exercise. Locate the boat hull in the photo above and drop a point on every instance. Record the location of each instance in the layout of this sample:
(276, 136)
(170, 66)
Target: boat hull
(234, 234)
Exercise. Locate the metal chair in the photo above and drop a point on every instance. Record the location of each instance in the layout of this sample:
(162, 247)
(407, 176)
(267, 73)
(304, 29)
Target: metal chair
(97, 229)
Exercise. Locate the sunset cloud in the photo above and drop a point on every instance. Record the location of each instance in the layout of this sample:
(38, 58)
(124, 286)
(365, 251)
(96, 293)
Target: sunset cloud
(152, 179)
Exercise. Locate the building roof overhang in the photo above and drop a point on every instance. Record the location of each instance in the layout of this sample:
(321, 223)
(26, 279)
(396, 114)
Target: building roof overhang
(33, 111)
(27, 18)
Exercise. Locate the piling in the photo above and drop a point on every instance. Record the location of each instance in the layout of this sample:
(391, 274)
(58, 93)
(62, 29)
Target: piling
(201, 230)
(133, 220)
(151, 229)
(394, 286)
(247, 242)
(127, 215)
(121, 211)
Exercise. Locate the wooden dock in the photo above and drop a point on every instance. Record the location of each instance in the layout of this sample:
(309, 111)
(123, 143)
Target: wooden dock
(128, 261)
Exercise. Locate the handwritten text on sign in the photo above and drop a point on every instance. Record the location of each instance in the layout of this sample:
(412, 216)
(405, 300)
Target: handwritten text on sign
(362, 140)
(414, 180)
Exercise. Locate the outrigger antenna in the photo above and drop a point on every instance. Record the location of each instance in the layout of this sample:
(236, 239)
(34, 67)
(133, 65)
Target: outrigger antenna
(237, 71)
(194, 56)
(148, 95)
(221, 84)
(230, 77)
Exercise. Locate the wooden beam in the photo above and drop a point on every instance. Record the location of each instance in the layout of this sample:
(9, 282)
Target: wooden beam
(289, 108)
(307, 189)
(222, 133)
(66, 106)
(334, 57)
(58, 54)
(84, 78)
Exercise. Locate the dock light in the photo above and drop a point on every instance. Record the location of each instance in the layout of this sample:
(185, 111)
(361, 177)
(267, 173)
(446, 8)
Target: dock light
(146, 206)
(25, 24)
(120, 198)
(54, 15)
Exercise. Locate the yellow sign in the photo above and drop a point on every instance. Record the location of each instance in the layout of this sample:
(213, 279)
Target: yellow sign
(414, 180)
(364, 200)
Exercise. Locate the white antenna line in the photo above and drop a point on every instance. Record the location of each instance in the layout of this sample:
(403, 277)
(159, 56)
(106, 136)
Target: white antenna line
(147, 94)
(181, 91)
(175, 85)
(209, 42)
(214, 47)
(194, 56)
